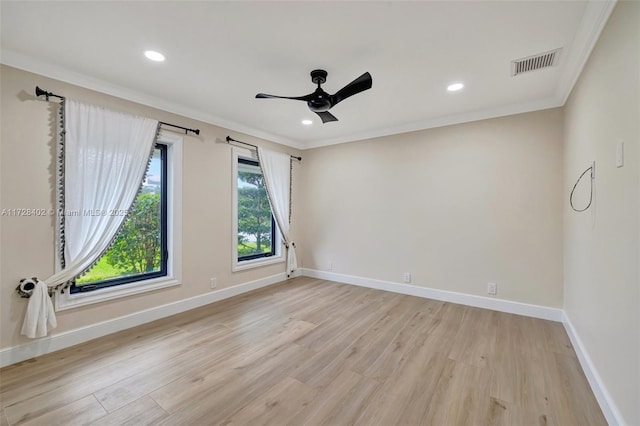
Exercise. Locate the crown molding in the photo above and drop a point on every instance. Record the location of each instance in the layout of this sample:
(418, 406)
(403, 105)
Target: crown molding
(591, 25)
(37, 66)
(593, 21)
(483, 114)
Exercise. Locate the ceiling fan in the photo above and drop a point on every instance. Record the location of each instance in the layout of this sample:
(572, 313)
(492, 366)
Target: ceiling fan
(320, 101)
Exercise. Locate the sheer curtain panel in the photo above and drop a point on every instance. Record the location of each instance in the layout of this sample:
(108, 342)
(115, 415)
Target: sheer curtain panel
(104, 159)
(276, 169)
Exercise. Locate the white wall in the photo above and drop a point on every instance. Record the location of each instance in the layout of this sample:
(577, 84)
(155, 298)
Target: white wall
(456, 206)
(602, 279)
(27, 179)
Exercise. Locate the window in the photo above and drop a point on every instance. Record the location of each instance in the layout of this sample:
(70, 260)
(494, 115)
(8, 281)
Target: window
(140, 249)
(146, 254)
(257, 240)
(256, 226)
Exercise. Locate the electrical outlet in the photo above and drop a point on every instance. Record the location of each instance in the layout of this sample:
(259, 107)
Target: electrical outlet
(492, 288)
(407, 277)
(214, 282)
(329, 266)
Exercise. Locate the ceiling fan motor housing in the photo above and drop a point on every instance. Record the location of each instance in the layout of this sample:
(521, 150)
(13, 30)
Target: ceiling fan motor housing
(321, 101)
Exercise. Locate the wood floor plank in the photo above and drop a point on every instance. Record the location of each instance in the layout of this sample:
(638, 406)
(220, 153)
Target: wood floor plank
(327, 306)
(556, 339)
(46, 369)
(276, 406)
(44, 366)
(517, 376)
(530, 335)
(142, 412)
(409, 338)
(82, 381)
(404, 396)
(337, 326)
(80, 412)
(570, 399)
(193, 387)
(502, 413)
(216, 394)
(87, 371)
(370, 345)
(306, 352)
(462, 396)
(476, 337)
(332, 349)
(269, 356)
(340, 402)
(137, 385)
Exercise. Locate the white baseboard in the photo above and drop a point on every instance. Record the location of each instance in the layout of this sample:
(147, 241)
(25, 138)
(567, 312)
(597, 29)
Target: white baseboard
(535, 311)
(608, 407)
(69, 338)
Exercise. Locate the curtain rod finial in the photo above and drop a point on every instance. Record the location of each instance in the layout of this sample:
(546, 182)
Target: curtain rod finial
(40, 92)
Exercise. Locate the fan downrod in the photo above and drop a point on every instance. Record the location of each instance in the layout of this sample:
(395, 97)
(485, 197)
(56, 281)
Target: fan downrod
(318, 76)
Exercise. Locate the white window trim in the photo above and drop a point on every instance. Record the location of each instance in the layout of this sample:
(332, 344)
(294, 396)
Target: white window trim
(67, 300)
(236, 265)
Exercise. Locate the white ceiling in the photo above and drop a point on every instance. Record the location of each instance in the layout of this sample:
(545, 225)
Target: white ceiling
(220, 54)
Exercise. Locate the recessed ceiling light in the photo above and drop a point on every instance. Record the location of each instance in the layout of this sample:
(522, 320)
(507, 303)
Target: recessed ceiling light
(307, 122)
(455, 87)
(154, 56)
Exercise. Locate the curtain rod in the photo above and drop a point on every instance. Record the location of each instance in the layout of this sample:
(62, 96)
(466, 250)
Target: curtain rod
(47, 95)
(230, 139)
(186, 130)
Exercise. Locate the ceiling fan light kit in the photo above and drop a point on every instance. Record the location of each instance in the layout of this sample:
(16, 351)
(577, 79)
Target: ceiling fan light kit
(320, 101)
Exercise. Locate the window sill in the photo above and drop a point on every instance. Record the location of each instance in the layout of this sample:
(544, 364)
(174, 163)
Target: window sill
(66, 300)
(256, 263)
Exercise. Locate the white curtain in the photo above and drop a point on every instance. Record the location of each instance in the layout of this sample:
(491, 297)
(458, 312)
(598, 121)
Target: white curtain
(276, 170)
(106, 154)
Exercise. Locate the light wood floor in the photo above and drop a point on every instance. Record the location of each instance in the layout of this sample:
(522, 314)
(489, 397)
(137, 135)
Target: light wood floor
(311, 352)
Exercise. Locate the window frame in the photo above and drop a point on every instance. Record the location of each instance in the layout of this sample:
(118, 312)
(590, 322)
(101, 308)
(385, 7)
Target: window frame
(243, 263)
(173, 277)
(272, 252)
(164, 252)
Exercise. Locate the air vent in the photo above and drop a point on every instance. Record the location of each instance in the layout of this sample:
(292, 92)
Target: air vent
(536, 62)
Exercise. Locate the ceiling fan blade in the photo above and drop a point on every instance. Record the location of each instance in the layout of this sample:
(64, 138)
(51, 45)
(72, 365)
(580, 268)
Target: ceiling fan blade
(326, 116)
(295, 98)
(360, 84)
